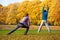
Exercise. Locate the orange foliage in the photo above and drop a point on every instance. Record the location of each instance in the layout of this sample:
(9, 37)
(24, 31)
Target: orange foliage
(9, 14)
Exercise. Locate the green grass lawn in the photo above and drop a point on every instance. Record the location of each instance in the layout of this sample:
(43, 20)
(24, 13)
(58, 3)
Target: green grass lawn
(32, 35)
(34, 32)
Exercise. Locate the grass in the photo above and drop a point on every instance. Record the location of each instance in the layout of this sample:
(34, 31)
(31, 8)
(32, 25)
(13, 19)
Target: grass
(32, 33)
(43, 32)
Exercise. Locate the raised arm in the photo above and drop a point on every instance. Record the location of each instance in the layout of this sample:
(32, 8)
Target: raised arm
(47, 8)
(42, 9)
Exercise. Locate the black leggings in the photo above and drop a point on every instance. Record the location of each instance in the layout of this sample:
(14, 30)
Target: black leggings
(18, 26)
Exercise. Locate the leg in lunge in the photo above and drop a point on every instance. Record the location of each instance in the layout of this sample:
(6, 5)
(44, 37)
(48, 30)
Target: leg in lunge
(40, 27)
(47, 26)
(26, 31)
(13, 30)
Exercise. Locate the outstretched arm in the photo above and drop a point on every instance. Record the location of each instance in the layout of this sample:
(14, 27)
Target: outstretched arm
(17, 21)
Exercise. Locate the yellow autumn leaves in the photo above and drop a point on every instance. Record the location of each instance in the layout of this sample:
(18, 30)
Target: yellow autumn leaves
(9, 13)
